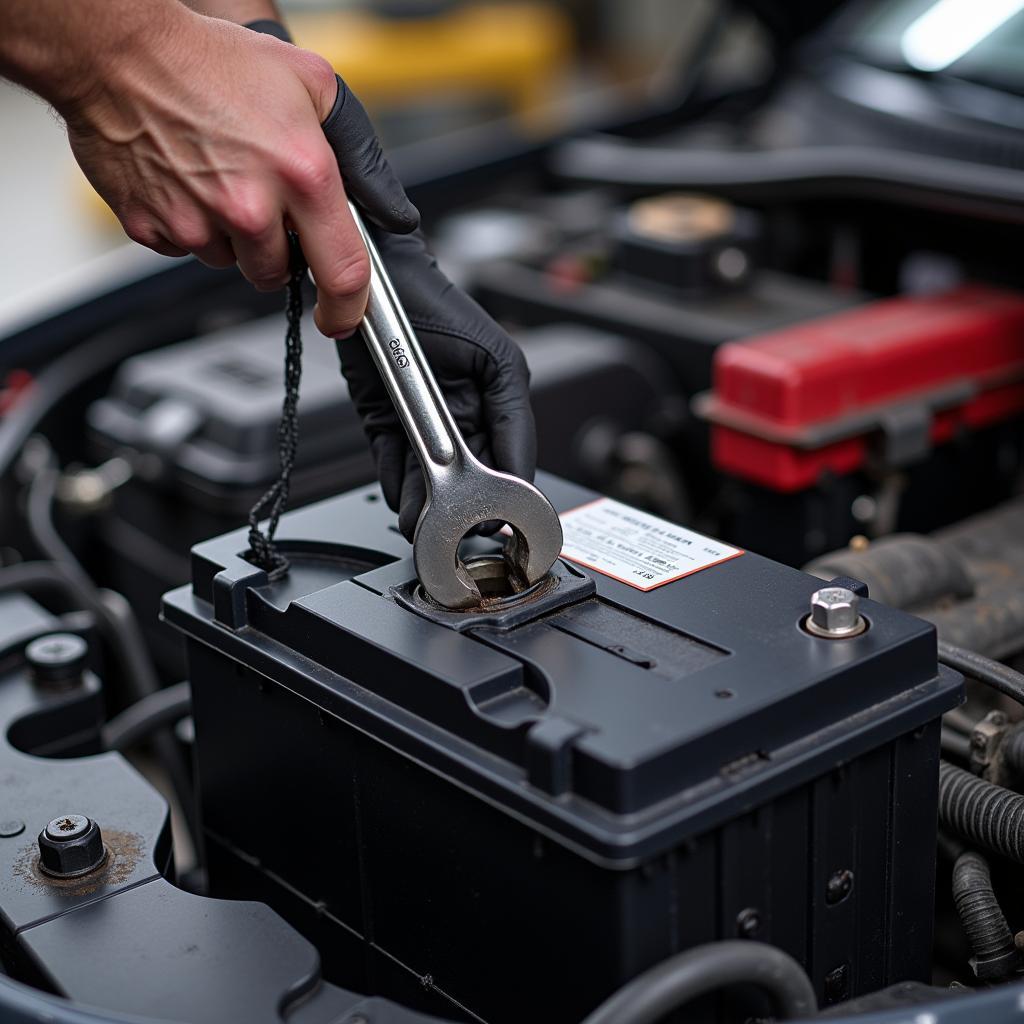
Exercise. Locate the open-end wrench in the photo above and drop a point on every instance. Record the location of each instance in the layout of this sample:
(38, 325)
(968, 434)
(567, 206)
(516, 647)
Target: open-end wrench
(461, 491)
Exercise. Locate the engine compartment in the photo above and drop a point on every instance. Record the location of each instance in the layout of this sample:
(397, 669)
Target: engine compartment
(760, 728)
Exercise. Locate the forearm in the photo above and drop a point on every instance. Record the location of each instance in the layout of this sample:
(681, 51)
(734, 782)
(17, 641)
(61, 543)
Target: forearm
(241, 12)
(61, 50)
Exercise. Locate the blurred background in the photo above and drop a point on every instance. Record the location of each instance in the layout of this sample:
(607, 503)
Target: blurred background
(423, 68)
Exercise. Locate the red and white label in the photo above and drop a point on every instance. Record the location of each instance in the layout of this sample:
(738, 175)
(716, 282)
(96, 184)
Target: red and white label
(635, 547)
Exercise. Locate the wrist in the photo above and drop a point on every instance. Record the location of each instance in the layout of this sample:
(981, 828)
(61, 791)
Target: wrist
(131, 35)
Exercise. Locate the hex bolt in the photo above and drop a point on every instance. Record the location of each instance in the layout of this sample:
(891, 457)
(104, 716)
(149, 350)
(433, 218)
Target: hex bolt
(57, 660)
(71, 846)
(835, 614)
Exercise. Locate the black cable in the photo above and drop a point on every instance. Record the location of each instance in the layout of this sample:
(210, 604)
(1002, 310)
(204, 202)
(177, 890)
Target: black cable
(42, 493)
(704, 969)
(53, 384)
(139, 722)
(119, 626)
(986, 815)
(993, 673)
(47, 579)
(989, 936)
(798, 173)
(119, 622)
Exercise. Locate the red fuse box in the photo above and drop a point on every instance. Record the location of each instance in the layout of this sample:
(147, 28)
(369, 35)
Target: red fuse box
(888, 379)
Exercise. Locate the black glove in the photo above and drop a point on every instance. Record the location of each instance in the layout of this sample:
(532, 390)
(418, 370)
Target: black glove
(479, 368)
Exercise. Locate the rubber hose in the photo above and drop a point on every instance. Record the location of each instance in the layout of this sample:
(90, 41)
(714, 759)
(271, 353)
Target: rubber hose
(705, 969)
(903, 570)
(989, 936)
(988, 816)
(993, 673)
(142, 719)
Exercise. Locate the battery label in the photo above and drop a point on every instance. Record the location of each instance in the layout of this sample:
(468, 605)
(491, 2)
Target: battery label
(635, 547)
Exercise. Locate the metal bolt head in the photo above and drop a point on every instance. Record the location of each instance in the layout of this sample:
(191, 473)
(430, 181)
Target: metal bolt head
(57, 660)
(71, 826)
(835, 612)
(748, 923)
(70, 846)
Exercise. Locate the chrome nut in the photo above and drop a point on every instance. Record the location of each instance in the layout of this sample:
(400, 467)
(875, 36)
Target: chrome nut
(835, 614)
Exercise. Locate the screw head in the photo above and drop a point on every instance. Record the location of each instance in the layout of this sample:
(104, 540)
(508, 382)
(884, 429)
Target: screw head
(70, 846)
(835, 613)
(748, 923)
(840, 885)
(11, 827)
(57, 660)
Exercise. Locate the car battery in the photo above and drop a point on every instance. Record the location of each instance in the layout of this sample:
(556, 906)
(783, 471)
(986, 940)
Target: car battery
(904, 413)
(198, 422)
(506, 813)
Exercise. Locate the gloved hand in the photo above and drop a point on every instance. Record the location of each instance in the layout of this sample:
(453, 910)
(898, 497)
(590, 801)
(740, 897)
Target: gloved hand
(479, 368)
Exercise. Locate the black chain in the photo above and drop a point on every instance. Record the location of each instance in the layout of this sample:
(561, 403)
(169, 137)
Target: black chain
(263, 551)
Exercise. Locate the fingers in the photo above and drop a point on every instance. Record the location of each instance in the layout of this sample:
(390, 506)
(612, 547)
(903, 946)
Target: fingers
(165, 248)
(146, 231)
(389, 454)
(218, 254)
(263, 257)
(508, 415)
(367, 174)
(414, 495)
(334, 249)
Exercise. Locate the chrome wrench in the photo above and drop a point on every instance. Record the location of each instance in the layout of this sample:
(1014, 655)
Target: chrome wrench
(461, 491)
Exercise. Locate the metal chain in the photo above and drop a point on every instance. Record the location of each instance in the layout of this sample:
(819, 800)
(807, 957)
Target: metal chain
(263, 552)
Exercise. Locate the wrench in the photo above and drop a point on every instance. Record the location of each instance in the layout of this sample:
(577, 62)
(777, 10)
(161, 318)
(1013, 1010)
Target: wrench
(461, 491)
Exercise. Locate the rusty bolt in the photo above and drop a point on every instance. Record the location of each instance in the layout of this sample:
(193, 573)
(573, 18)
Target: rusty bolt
(70, 846)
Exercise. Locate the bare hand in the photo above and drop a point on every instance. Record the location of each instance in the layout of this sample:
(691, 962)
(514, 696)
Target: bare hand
(206, 139)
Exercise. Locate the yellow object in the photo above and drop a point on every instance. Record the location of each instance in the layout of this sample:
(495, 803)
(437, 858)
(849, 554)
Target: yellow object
(511, 51)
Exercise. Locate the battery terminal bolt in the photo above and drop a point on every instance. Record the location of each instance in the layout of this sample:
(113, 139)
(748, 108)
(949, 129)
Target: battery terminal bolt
(57, 660)
(835, 614)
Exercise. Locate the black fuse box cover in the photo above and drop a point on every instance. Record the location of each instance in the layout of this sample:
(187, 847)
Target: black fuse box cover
(623, 728)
